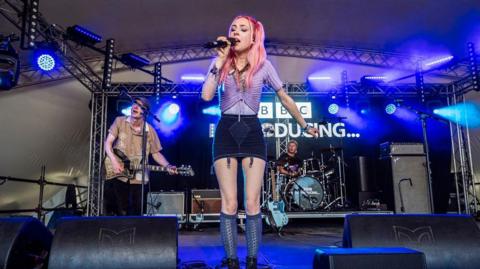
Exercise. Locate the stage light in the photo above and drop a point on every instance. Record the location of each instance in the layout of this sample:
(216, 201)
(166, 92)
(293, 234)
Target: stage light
(173, 109)
(465, 114)
(193, 78)
(318, 78)
(438, 61)
(371, 81)
(333, 108)
(82, 35)
(134, 60)
(362, 106)
(212, 110)
(46, 62)
(390, 109)
(170, 113)
(108, 64)
(375, 78)
(9, 63)
(127, 111)
(473, 67)
(30, 17)
(44, 55)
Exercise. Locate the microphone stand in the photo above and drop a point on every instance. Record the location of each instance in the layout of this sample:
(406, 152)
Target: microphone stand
(423, 116)
(144, 160)
(146, 113)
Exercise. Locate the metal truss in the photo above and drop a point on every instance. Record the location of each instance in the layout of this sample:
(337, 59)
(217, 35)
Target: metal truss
(171, 55)
(72, 65)
(465, 182)
(294, 89)
(97, 136)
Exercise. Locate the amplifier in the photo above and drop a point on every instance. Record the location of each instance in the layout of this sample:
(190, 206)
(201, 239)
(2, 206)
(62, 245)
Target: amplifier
(388, 149)
(206, 200)
(166, 203)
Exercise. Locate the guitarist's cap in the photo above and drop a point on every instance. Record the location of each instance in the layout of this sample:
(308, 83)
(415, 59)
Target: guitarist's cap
(142, 102)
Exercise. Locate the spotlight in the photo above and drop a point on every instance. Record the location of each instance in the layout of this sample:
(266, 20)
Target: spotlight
(173, 109)
(371, 81)
(170, 113)
(193, 78)
(30, 17)
(83, 35)
(390, 109)
(473, 67)
(212, 110)
(333, 108)
(46, 62)
(134, 60)
(317, 78)
(44, 55)
(439, 61)
(108, 64)
(9, 63)
(363, 107)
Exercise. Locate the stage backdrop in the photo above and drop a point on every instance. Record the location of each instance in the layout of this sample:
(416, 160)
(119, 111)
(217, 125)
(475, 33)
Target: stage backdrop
(186, 136)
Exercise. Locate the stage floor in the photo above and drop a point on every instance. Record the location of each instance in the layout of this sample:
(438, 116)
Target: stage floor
(293, 248)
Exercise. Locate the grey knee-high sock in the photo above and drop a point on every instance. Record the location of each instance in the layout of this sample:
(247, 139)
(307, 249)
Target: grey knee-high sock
(253, 234)
(228, 231)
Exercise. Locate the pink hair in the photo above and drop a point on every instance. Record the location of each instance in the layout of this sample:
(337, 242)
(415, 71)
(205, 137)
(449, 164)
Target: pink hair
(256, 55)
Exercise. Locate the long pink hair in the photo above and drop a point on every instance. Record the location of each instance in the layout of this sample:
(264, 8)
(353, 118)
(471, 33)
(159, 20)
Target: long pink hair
(256, 55)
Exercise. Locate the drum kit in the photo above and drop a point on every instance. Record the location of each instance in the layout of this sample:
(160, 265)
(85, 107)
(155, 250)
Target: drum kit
(320, 185)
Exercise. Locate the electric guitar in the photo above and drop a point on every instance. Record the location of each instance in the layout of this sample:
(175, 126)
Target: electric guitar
(276, 208)
(131, 167)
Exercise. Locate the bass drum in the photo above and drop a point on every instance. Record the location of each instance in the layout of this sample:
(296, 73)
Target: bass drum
(306, 193)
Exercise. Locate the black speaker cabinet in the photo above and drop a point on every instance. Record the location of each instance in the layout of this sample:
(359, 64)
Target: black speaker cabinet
(24, 243)
(448, 241)
(368, 258)
(115, 242)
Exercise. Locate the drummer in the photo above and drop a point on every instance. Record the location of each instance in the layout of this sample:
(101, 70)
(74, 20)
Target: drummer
(288, 163)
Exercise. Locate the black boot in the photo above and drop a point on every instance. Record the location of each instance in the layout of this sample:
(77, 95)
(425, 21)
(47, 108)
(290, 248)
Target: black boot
(230, 263)
(251, 262)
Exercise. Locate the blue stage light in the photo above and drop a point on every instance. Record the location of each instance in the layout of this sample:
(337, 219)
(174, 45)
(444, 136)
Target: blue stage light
(212, 110)
(134, 60)
(173, 109)
(170, 113)
(439, 61)
(127, 111)
(46, 62)
(390, 109)
(193, 78)
(317, 78)
(333, 108)
(83, 35)
(465, 114)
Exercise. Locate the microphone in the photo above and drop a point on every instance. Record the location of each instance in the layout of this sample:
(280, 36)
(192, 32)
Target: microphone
(220, 43)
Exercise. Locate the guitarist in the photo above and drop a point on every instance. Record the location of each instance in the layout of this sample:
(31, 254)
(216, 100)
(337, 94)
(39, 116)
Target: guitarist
(288, 163)
(122, 195)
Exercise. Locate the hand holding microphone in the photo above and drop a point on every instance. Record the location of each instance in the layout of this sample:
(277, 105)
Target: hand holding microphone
(221, 42)
(222, 46)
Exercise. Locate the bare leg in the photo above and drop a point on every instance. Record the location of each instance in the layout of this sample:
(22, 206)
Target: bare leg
(226, 171)
(253, 169)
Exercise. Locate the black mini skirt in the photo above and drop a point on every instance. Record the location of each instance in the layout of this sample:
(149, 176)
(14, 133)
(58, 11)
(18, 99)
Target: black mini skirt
(240, 137)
